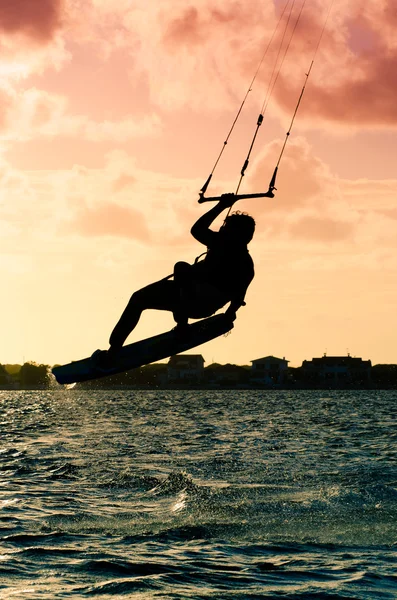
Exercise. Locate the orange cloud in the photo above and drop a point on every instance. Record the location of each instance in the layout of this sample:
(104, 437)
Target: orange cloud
(37, 113)
(37, 20)
(308, 203)
(5, 105)
(110, 219)
(391, 213)
(303, 179)
(123, 181)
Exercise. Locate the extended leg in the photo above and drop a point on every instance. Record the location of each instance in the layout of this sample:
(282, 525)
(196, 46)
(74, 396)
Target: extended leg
(161, 295)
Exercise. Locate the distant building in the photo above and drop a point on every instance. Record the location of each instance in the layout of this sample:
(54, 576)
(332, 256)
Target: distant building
(232, 375)
(269, 370)
(185, 368)
(336, 370)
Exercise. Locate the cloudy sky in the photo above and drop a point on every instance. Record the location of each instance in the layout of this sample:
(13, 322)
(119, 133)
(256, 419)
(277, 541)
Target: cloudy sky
(111, 117)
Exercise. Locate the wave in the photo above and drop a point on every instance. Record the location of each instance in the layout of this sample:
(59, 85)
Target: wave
(177, 507)
(128, 479)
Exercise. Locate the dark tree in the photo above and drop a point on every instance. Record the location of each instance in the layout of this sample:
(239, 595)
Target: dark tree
(33, 374)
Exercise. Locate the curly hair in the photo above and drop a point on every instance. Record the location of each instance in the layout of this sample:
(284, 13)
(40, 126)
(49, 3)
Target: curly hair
(243, 223)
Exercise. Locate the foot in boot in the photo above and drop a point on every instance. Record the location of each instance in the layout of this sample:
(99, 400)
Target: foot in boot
(103, 360)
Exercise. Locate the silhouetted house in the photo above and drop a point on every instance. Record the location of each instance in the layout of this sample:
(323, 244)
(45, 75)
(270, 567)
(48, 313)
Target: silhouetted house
(384, 375)
(336, 370)
(269, 370)
(185, 368)
(226, 375)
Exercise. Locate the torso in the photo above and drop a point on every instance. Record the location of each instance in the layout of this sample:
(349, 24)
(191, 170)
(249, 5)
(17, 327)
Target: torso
(226, 267)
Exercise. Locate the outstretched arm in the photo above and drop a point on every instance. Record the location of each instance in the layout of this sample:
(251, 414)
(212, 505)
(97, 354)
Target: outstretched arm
(200, 229)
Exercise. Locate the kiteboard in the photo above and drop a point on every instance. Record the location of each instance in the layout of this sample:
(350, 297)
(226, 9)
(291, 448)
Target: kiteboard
(145, 351)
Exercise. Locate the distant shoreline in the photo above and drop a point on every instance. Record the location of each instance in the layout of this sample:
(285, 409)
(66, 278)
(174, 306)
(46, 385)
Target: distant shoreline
(175, 387)
(347, 374)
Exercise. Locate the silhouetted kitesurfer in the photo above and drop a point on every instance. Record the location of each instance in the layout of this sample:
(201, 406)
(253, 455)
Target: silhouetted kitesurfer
(197, 291)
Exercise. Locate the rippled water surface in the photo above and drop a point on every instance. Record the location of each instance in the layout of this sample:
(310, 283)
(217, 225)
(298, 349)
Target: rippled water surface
(198, 494)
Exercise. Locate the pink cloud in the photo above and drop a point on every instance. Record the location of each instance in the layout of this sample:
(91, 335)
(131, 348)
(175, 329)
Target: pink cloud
(109, 219)
(185, 28)
(123, 181)
(354, 78)
(370, 100)
(354, 81)
(5, 105)
(390, 13)
(192, 26)
(38, 20)
(320, 229)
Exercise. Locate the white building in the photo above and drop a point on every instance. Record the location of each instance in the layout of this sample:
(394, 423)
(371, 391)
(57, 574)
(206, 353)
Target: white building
(185, 367)
(337, 369)
(269, 370)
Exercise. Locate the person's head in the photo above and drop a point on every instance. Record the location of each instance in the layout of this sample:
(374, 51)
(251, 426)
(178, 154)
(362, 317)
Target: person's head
(239, 227)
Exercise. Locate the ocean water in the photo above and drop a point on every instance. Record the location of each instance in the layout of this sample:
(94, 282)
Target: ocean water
(198, 494)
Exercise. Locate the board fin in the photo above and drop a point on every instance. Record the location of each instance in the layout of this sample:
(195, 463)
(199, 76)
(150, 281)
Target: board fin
(146, 351)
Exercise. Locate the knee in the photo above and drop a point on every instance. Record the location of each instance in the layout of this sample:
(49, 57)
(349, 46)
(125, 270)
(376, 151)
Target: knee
(181, 269)
(136, 300)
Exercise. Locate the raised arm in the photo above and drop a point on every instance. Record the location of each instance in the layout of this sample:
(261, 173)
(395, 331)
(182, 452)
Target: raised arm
(201, 229)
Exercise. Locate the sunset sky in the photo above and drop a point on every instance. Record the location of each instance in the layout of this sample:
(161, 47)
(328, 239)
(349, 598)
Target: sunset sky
(111, 117)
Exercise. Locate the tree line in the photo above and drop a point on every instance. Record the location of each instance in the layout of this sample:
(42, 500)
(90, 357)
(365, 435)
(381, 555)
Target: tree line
(34, 375)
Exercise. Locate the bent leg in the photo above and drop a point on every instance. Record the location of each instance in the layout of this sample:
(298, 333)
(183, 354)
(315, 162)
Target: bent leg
(161, 295)
(183, 282)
